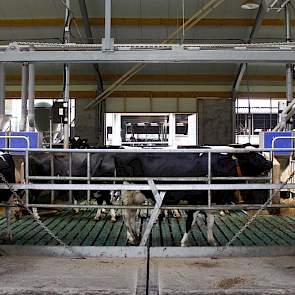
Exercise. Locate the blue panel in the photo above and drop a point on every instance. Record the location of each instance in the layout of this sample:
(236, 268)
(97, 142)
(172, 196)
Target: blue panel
(20, 142)
(279, 143)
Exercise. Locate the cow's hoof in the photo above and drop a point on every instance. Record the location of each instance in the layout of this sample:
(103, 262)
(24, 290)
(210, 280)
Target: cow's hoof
(212, 243)
(222, 213)
(36, 216)
(7, 237)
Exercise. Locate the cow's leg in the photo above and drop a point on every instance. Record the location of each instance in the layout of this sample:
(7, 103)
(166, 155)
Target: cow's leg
(98, 212)
(35, 213)
(8, 223)
(76, 210)
(108, 199)
(176, 213)
(210, 224)
(188, 227)
(128, 215)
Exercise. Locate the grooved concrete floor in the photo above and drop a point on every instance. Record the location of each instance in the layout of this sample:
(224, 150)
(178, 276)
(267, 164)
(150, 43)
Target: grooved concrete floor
(43, 275)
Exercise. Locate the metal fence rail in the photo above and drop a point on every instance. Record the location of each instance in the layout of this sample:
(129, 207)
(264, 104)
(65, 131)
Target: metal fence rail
(88, 184)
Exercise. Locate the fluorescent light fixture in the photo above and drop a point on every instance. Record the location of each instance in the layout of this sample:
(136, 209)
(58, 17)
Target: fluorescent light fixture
(250, 4)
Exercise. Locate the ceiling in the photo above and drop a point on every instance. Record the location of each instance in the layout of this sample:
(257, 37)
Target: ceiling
(145, 21)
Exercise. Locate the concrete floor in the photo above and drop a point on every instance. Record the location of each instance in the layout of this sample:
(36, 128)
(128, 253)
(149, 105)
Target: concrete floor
(47, 275)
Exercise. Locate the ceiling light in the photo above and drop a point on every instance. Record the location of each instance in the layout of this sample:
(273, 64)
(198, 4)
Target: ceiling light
(249, 4)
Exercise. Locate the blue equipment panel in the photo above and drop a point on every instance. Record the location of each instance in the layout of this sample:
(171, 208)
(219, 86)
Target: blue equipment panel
(33, 138)
(279, 143)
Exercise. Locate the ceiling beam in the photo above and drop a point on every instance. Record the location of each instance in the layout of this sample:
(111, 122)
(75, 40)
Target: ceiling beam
(227, 22)
(153, 94)
(151, 77)
(178, 54)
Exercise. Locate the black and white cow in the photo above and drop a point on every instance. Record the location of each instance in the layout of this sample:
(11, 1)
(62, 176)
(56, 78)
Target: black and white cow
(187, 165)
(7, 170)
(102, 165)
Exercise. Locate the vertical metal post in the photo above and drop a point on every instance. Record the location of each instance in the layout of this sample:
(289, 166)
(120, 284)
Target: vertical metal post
(172, 130)
(31, 94)
(27, 175)
(52, 197)
(289, 74)
(50, 132)
(107, 41)
(209, 177)
(67, 80)
(24, 97)
(70, 174)
(88, 175)
(2, 93)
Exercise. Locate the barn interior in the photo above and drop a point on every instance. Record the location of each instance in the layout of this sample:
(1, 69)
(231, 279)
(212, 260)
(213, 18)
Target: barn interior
(149, 76)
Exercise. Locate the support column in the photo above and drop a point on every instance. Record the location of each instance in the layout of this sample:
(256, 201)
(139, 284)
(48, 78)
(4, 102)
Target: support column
(24, 97)
(289, 74)
(31, 95)
(172, 130)
(2, 94)
(107, 41)
(67, 122)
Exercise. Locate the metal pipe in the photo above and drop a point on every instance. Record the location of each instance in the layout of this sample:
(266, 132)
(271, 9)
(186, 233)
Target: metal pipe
(67, 112)
(2, 95)
(31, 94)
(202, 179)
(70, 175)
(88, 175)
(289, 73)
(209, 177)
(107, 41)
(67, 122)
(27, 176)
(144, 187)
(147, 151)
(24, 97)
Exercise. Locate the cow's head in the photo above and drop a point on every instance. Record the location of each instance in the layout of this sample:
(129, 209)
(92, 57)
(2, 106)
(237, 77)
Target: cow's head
(253, 163)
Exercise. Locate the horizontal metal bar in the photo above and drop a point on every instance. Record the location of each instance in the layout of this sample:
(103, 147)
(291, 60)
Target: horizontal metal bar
(61, 178)
(119, 151)
(175, 207)
(64, 178)
(178, 55)
(144, 187)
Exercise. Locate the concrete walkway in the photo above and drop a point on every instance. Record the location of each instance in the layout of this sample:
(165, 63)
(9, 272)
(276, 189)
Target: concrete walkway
(47, 275)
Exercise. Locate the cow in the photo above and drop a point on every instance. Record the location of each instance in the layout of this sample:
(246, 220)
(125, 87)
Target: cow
(7, 170)
(102, 165)
(187, 165)
(78, 143)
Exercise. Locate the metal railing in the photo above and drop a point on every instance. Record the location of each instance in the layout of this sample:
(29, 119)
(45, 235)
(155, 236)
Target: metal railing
(202, 183)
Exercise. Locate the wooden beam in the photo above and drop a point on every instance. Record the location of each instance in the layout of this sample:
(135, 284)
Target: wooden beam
(153, 94)
(228, 22)
(152, 77)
